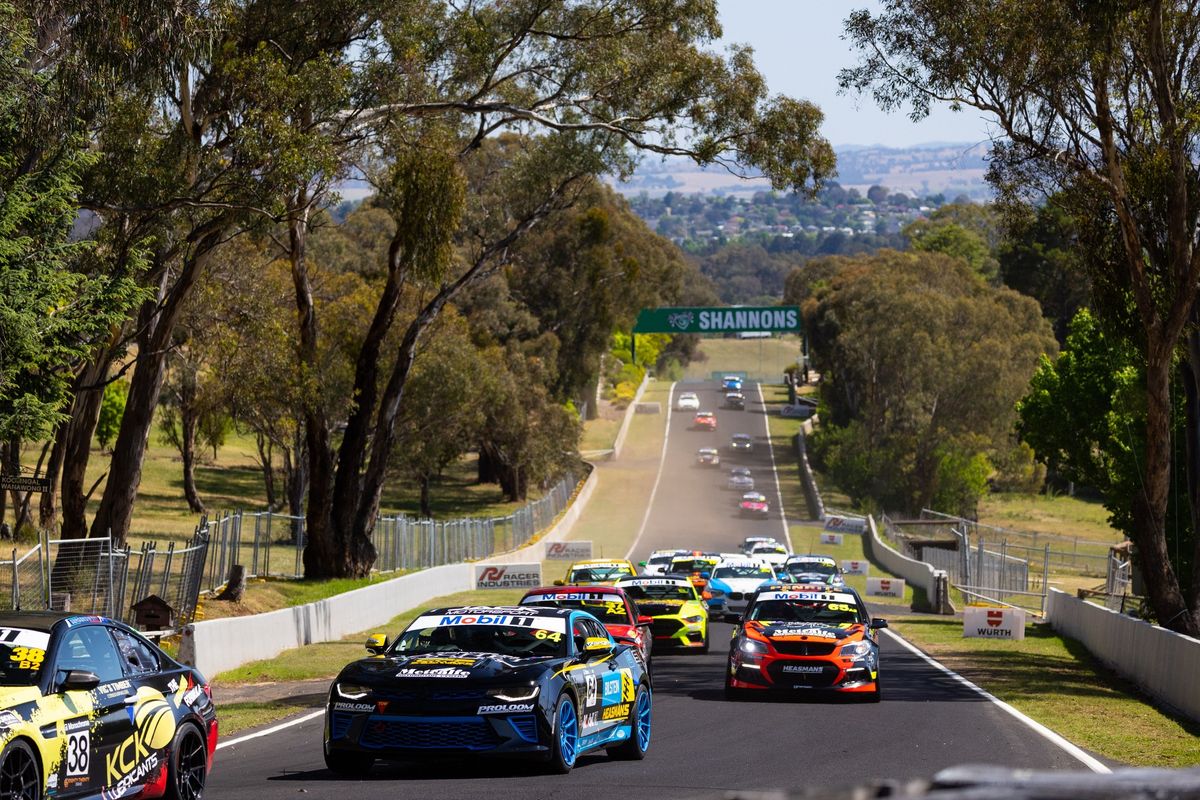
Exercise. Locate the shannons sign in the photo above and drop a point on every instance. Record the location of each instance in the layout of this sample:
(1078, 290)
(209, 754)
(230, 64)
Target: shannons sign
(508, 576)
(984, 622)
(774, 319)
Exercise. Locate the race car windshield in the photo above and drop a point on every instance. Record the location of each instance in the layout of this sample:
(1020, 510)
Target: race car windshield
(826, 613)
(743, 572)
(652, 593)
(690, 565)
(771, 549)
(599, 574)
(506, 640)
(610, 609)
(811, 568)
(22, 652)
(656, 560)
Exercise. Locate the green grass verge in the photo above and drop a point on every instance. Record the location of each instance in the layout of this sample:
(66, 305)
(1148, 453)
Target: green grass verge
(237, 717)
(270, 594)
(762, 358)
(1059, 515)
(599, 434)
(1057, 682)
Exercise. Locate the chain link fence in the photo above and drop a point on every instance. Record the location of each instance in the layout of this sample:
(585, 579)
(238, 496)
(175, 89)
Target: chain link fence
(90, 576)
(268, 544)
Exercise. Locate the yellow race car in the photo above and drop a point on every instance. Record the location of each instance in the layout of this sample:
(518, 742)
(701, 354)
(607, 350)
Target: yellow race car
(89, 708)
(597, 572)
(680, 617)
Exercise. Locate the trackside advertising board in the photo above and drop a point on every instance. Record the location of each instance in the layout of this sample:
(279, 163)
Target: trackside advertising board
(776, 319)
(508, 576)
(885, 587)
(983, 622)
(844, 524)
(568, 551)
(831, 538)
(856, 567)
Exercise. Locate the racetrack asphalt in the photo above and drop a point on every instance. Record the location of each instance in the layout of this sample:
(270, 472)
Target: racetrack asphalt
(701, 744)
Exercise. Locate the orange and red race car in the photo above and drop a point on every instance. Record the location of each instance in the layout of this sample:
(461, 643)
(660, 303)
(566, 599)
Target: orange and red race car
(805, 637)
(610, 605)
(704, 421)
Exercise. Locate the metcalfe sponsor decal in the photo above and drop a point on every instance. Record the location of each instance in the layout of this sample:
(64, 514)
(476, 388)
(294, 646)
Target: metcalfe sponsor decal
(885, 587)
(568, 551)
(508, 576)
(856, 567)
(841, 523)
(985, 622)
(831, 538)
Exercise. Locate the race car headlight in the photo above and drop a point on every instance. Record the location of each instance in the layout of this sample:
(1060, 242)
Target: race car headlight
(752, 647)
(693, 620)
(715, 592)
(352, 691)
(514, 694)
(857, 649)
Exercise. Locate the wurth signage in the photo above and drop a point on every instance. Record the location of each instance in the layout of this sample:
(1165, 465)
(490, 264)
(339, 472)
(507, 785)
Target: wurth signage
(885, 587)
(508, 576)
(988, 622)
(856, 567)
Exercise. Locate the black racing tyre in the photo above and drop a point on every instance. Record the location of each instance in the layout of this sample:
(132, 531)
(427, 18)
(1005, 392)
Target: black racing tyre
(639, 724)
(730, 692)
(20, 775)
(187, 770)
(564, 745)
(704, 644)
(876, 695)
(348, 763)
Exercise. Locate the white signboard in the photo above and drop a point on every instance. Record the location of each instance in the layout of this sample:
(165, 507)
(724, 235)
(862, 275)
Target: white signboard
(508, 576)
(844, 524)
(568, 551)
(885, 587)
(982, 622)
(856, 567)
(831, 538)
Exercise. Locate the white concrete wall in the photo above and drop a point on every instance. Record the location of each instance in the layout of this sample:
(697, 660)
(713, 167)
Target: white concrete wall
(619, 442)
(215, 646)
(222, 644)
(915, 573)
(1162, 663)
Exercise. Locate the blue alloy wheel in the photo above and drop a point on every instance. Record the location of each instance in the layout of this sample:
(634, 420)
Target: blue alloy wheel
(643, 721)
(566, 736)
(634, 749)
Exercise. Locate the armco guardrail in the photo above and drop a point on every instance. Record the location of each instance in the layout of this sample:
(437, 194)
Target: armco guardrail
(217, 645)
(1162, 663)
(933, 582)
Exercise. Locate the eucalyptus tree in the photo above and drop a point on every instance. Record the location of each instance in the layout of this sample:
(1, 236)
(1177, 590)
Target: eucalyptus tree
(581, 87)
(1099, 101)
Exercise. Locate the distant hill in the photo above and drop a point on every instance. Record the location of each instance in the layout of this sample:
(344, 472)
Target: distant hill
(951, 169)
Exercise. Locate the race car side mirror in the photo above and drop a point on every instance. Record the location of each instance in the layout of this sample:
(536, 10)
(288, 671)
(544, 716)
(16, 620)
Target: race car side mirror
(559, 583)
(595, 645)
(876, 624)
(377, 643)
(705, 575)
(641, 563)
(645, 622)
(79, 680)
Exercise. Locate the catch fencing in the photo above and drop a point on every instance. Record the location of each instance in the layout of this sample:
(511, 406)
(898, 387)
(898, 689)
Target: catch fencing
(268, 544)
(90, 576)
(979, 572)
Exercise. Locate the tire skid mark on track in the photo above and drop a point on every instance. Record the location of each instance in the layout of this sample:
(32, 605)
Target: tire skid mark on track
(1037, 727)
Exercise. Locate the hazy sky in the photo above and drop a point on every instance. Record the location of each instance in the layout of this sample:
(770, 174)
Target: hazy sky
(798, 47)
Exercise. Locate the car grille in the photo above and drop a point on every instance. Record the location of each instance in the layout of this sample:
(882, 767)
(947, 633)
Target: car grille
(432, 695)
(399, 733)
(736, 596)
(810, 680)
(803, 648)
(665, 627)
(339, 724)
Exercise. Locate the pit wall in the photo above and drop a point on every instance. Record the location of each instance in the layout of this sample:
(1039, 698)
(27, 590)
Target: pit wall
(1162, 663)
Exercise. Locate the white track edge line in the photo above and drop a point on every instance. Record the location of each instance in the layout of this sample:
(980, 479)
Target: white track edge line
(787, 535)
(662, 460)
(1072, 750)
(271, 730)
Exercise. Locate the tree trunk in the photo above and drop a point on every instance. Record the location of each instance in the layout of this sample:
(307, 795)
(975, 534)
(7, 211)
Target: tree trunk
(85, 414)
(188, 420)
(426, 507)
(156, 323)
(1192, 473)
(48, 504)
(486, 470)
(235, 585)
(1149, 505)
(266, 459)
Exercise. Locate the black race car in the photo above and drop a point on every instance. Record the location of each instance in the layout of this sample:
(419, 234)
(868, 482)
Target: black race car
(89, 708)
(479, 681)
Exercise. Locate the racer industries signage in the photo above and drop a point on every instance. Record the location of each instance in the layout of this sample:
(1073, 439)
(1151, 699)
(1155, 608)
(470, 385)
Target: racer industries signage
(984, 622)
(774, 319)
(844, 524)
(568, 551)
(508, 576)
